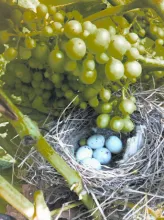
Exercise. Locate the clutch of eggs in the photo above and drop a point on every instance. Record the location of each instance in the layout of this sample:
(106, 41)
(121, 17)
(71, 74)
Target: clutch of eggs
(98, 151)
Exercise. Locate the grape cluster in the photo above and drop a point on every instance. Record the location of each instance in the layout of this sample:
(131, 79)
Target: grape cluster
(56, 57)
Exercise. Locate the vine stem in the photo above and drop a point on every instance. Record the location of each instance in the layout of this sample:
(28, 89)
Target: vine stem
(156, 5)
(117, 10)
(16, 199)
(25, 207)
(65, 208)
(25, 127)
(152, 64)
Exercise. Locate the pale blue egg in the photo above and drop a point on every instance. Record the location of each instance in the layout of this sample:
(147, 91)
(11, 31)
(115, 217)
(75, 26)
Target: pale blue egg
(92, 163)
(83, 152)
(96, 141)
(114, 144)
(103, 155)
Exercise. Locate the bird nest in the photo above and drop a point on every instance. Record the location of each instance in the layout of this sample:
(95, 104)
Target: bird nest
(138, 180)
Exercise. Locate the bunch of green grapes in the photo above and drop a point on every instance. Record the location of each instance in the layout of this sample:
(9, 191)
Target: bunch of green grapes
(55, 58)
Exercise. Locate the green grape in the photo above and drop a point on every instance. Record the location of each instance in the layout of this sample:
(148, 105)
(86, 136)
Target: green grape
(94, 102)
(89, 27)
(59, 93)
(24, 53)
(116, 124)
(75, 49)
(46, 95)
(2, 48)
(121, 22)
(16, 16)
(31, 94)
(70, 65)
(153, 29)
(4, 37)
(103, 120)
(39, 91)
(141, 49)
(23, 73)
(102, 58)
(47, 75)
(132, 38)
(133, 80)
(57, 27)
(105, 94)
(89, 93)
(42, 85)
(51, 9)
(89, 64)
(9, 78)
(32, 26)
(35, 84)
(56, 60)
(83, 142)
(62, 103)
(88, 76)
(118, 46)
(56, 79)
(10, 54)
(160, 33)
(25, 89)
(47, 31)
(30, 43)
(69, 94)
(48, 85)
(38, 104)
(146, 77)
(128, 125)
(77, 15)
(37, 76)
(40, 52)
(65, 87)
(112, 31)
(59, 17)
(142, 33)
(133, 99)
(85, 34)
(76, 101)
(105, 108)
(114, 69)
(158, 74)
(127, 106)
(41, 10)
(99, 41)
(18, 85)
(83, 105)
(73, 29)
(33, 63)
(133, 69)
(132, 53)
(159, 42)
(28, 16)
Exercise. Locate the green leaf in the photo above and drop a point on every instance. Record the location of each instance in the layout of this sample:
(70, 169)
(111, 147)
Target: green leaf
(6, 160)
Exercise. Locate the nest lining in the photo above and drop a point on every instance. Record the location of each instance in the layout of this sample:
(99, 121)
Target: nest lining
(141, 175)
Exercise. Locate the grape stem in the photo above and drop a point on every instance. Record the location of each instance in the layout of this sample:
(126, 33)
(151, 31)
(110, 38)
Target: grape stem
(25, 127)
(151, 64)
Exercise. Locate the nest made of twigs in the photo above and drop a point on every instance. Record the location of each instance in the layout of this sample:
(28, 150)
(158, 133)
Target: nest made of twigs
(141, 175)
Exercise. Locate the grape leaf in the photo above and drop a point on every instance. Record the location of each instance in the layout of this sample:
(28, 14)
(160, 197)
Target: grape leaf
(6, 160)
